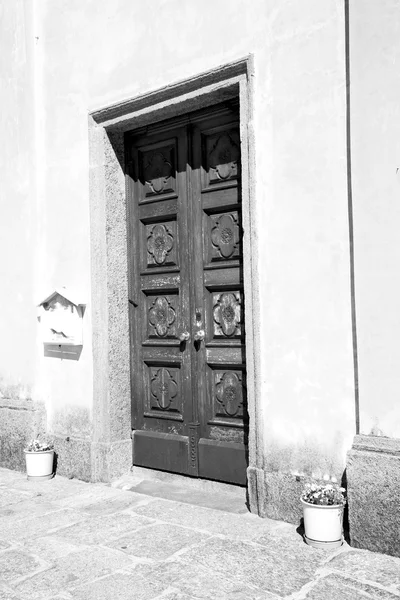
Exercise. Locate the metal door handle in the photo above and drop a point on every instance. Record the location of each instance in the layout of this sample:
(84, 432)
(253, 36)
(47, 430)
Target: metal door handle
(184, 336)
(199, 335)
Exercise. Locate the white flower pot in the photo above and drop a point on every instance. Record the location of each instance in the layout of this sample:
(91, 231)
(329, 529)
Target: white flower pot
(39, 465)
(323, 525)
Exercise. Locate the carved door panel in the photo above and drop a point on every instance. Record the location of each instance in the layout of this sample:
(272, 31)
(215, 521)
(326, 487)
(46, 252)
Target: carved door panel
(220, 358)
(160, 304)
(187, 329)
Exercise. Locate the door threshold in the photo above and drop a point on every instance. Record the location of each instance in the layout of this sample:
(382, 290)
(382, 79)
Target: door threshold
(180, 488)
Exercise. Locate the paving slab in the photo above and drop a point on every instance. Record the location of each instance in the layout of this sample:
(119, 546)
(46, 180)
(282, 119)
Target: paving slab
(72, 570)
(196, 497)
(34, 507)
(15, 564)
(50, 547)
(350, 589)
(68, 540)
(145, 543)
(99, 494)
(108, 505)
(192, 579)
(119, 585)
(31, 527)
(99, 530)
(175, 596)
(9, 498)
(57, 487)
(241, 526)
(369, 566)
(258, 567)
(7, 594)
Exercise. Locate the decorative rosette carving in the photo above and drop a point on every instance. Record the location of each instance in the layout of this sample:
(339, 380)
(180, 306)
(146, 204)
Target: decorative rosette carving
(161, 315)
(225, 235)
(229, 394)
(157, 171)
(159, 243)
(163, 388)
(224, 156)
(227, 314)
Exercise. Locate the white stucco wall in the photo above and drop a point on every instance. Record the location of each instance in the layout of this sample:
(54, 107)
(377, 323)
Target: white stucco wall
(63, 250)
(375, 126)
(86, 58)
(17, 203)
(304, 260)
(94, 57)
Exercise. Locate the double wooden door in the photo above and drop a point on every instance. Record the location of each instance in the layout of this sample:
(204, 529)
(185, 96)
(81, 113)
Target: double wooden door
(186, 296)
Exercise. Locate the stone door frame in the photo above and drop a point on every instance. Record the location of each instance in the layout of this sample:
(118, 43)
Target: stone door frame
(111, 453)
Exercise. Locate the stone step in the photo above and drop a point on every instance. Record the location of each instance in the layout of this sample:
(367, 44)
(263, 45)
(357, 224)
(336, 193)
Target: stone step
(170, 486)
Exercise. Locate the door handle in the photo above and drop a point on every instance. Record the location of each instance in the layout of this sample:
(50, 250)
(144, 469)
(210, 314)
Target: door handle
(184, 336)
(199, 335)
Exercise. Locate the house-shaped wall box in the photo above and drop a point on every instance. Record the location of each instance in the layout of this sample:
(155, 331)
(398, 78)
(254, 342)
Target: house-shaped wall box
(61, 317)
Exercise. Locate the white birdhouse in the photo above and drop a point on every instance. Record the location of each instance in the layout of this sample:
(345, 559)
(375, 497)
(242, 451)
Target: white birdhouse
(60, 316)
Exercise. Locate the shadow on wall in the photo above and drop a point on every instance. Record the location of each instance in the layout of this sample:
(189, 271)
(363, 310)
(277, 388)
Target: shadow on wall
(346, 525)
(55, 464)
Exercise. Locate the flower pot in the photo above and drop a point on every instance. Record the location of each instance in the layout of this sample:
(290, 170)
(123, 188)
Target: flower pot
(323, 525)
(39, 465)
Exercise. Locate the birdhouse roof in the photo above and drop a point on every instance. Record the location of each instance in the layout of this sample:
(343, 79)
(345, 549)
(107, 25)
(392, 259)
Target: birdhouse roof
(67, 294)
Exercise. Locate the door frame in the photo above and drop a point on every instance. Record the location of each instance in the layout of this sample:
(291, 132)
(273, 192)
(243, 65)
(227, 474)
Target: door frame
(111, 443)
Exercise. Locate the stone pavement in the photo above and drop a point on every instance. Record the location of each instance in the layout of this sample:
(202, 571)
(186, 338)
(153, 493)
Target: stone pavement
(66, 539)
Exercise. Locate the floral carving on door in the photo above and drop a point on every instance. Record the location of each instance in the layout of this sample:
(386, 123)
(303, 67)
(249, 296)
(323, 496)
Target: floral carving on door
(157, 171)
(225, 235)
(159, 243)
(162, 316)
(229, 394)
(227, 314)
(164, 388)
(223, 156)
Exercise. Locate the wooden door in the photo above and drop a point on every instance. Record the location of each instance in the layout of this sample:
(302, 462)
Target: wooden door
(186, 296)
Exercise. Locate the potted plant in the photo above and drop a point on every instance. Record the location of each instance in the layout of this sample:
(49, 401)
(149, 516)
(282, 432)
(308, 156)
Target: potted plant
(323, 507)
(39, 456)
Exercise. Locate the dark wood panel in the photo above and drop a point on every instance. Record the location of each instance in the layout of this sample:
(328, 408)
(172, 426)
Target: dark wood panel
(166, 354)
(223, 461)
(161, 451)
(187, 324)
(157, 167)
(151, 213)
(161, 317)
(225, 318)
(222, 278)
(225, 355)
(225, 198)
(221, 155)
(222, 238)
(163, 280)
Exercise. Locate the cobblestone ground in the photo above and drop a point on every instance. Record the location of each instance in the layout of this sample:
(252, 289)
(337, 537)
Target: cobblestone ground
(65, 539)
